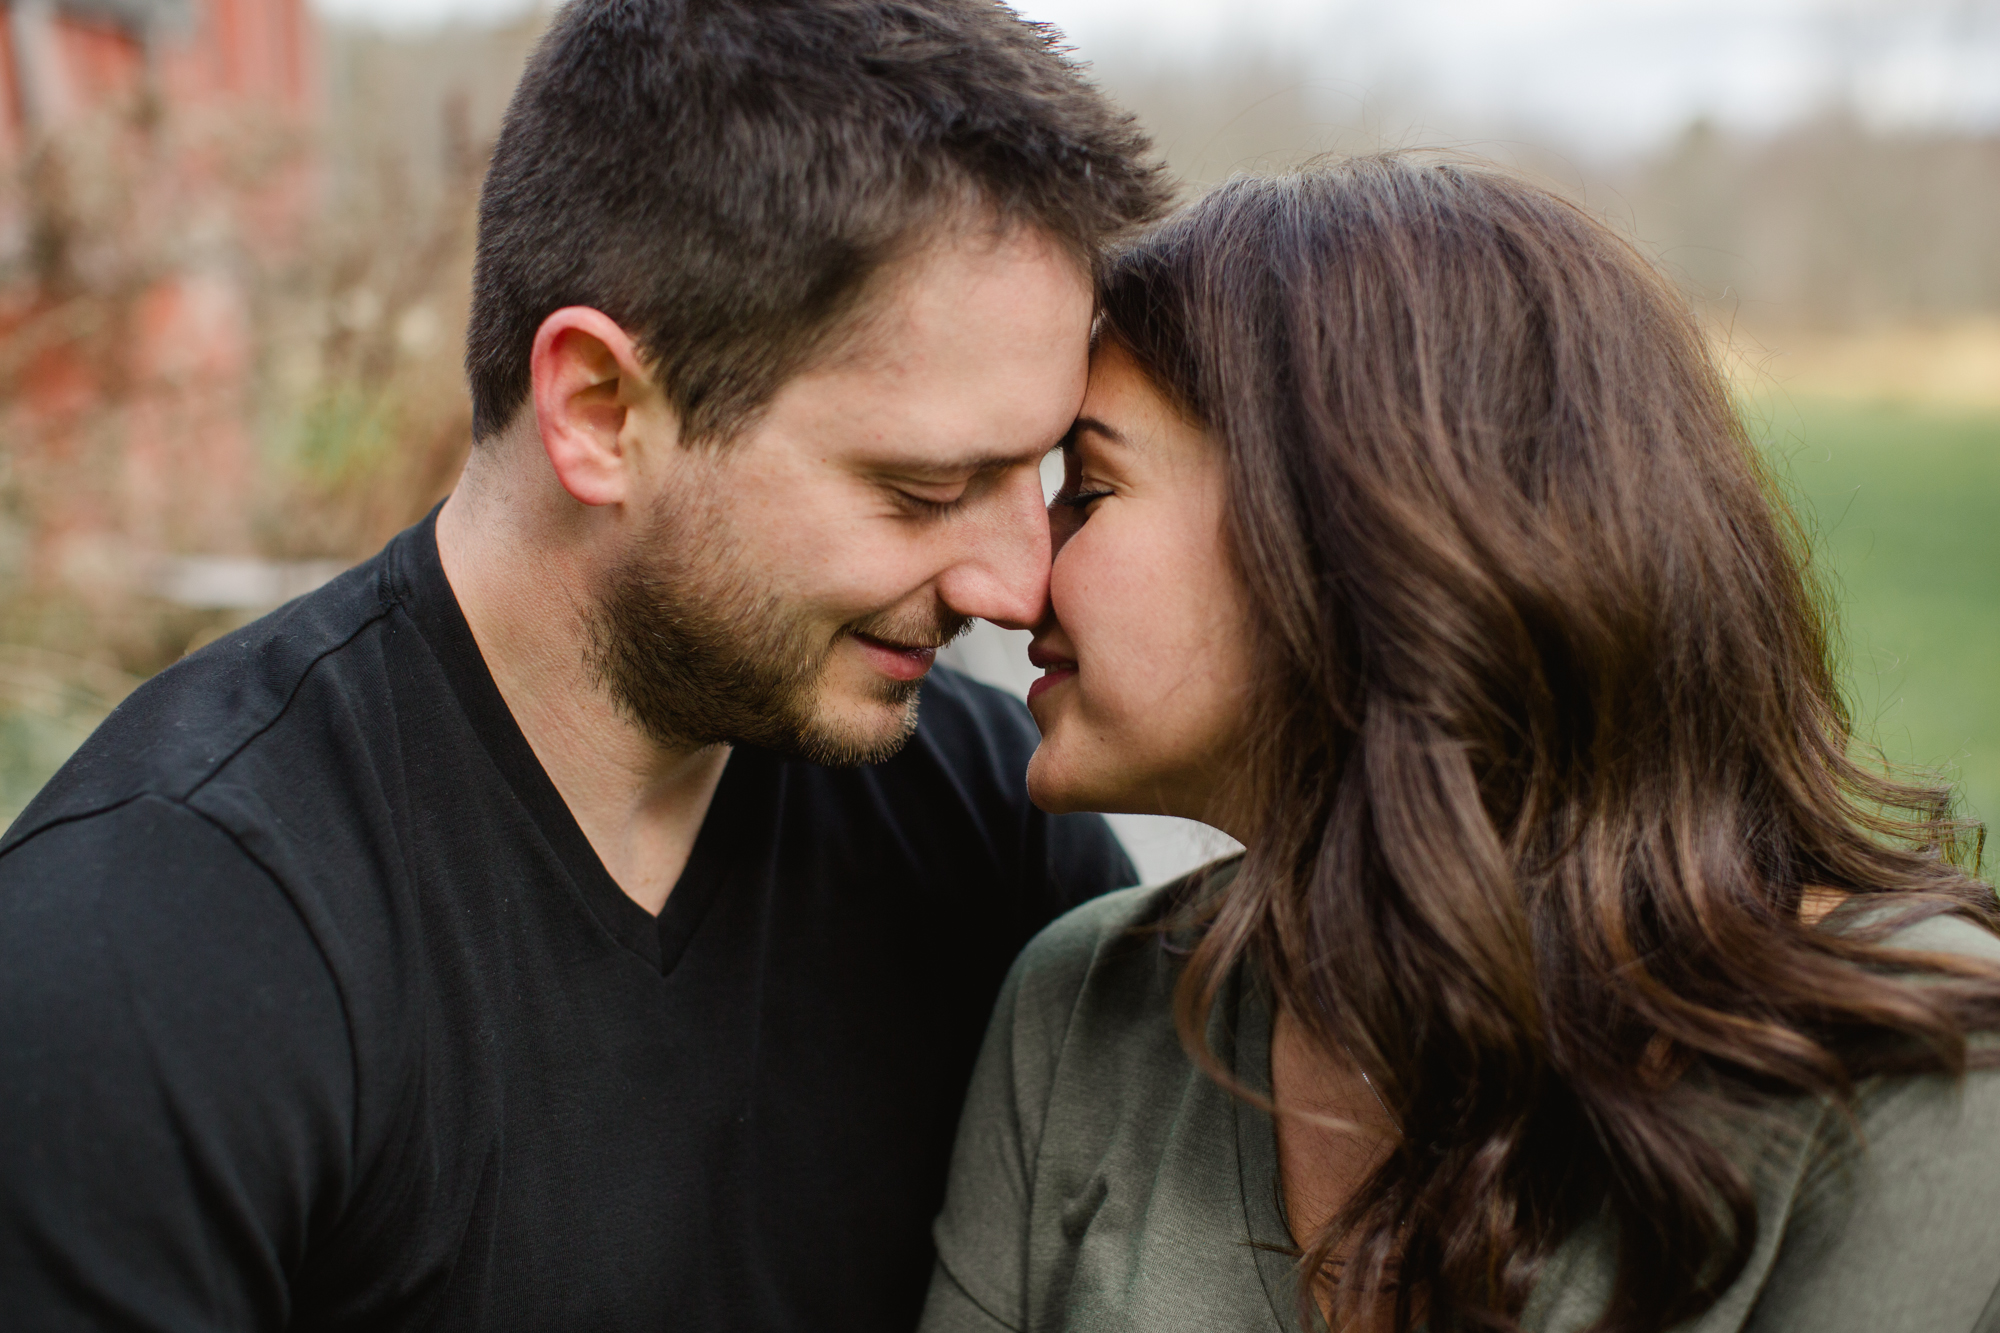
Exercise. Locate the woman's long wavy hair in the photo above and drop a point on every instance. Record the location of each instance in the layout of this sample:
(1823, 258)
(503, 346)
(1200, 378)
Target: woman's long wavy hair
(1548, 754)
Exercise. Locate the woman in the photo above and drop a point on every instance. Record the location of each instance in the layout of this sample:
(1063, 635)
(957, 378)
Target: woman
(1409, 536)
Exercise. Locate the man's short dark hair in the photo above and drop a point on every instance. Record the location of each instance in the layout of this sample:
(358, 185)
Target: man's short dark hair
(722, 178)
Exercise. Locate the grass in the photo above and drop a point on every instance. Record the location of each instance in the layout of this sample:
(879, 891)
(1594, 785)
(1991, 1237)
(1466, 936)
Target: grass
(1903, 504)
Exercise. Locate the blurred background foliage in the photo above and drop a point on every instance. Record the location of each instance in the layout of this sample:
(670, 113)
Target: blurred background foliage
(1841, 244)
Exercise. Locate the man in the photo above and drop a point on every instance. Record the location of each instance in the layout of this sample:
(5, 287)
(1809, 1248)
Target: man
(583, 915)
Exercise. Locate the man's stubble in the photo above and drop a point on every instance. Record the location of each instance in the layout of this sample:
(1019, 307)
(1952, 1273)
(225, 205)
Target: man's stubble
(698, 650)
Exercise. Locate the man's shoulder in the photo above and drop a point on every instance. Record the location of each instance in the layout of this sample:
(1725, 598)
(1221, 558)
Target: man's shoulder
(182, 728)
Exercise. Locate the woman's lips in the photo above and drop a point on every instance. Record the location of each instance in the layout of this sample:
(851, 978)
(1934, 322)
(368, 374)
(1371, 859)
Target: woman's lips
(1052, 676)
(895, 660)
(1055, 667)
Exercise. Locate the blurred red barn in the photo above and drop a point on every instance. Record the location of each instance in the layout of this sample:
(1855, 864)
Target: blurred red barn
(155, 153)
(61, 56)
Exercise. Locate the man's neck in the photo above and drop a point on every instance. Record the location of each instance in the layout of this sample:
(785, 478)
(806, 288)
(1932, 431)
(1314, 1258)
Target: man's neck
(523, 591)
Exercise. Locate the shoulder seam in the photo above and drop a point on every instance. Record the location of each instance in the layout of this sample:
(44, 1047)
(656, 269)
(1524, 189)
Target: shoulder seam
(77, 818)
(278, 715)
(1103, 939)
(8, 847)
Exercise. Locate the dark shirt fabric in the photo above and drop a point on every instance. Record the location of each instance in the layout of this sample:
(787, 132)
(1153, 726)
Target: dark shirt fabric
(318, 1011)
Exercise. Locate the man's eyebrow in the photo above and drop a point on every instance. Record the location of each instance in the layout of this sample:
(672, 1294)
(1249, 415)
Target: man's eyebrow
(920, 465)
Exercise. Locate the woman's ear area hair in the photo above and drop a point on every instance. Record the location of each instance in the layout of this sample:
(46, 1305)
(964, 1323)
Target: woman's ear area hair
(587, 382)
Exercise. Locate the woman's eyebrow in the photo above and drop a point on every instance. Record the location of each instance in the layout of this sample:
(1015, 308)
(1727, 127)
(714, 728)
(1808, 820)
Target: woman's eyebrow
(1096, 427)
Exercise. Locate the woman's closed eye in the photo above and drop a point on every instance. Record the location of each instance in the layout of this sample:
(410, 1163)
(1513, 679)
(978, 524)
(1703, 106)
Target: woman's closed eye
(1078, 490)
(1078, 499)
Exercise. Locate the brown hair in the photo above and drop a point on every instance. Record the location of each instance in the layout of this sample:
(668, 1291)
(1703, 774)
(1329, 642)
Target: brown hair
(723, 177)
(1549, 751)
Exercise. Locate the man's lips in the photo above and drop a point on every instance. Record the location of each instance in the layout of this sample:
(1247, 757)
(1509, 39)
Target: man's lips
(899, 661)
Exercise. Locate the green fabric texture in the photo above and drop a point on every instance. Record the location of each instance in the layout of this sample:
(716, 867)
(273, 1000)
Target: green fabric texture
(1102, 1183)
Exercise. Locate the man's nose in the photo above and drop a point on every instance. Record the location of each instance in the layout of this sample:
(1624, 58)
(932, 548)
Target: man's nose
(1001, 572)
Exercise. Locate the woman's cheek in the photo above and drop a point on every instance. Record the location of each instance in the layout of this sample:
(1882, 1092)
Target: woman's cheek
(1102, 568)
(1127, 623)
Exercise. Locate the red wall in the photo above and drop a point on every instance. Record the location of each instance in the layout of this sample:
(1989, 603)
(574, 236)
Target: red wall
(129, 412)
(253, 52)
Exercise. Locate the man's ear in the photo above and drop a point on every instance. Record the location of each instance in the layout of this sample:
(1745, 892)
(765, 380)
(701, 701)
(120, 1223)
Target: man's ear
(586, 377)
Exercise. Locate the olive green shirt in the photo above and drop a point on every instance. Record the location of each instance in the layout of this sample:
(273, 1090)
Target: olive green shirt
(1101, 1183)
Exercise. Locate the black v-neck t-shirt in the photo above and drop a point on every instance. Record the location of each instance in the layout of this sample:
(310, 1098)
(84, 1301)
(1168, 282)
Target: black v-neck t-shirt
(318, 1011)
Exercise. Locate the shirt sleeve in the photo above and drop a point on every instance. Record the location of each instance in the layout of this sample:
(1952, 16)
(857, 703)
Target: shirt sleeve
(1893, 1231)
(176, 1079)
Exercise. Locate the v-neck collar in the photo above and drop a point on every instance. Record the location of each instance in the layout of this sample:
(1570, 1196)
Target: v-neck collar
(750, 784)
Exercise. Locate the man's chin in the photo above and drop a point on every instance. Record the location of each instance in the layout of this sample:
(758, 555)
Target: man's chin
(850, 731)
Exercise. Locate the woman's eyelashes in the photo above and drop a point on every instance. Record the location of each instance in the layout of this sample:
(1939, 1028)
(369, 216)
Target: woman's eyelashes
(1077, 491)
(1078, 499)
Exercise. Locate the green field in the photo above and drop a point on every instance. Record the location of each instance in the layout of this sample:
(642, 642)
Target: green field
(1904, 506)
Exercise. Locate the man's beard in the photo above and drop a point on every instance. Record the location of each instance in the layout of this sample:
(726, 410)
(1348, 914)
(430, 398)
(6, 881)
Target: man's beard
(696, 653)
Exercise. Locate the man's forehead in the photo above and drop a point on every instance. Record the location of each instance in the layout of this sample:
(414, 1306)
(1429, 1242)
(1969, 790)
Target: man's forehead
(942, 284)
(973, 360)
(910, 425)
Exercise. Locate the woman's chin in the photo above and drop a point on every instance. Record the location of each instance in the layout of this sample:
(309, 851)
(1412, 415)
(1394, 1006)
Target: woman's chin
(1057, 788)
(1046, 787)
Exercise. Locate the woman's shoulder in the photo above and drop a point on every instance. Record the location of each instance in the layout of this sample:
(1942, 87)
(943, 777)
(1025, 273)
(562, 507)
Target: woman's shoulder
(1977, 1093)
(1921, 941)
(1069, 943)
(1888, 1221)
(1089, 943)
(1947, 934)
(1097, 983)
